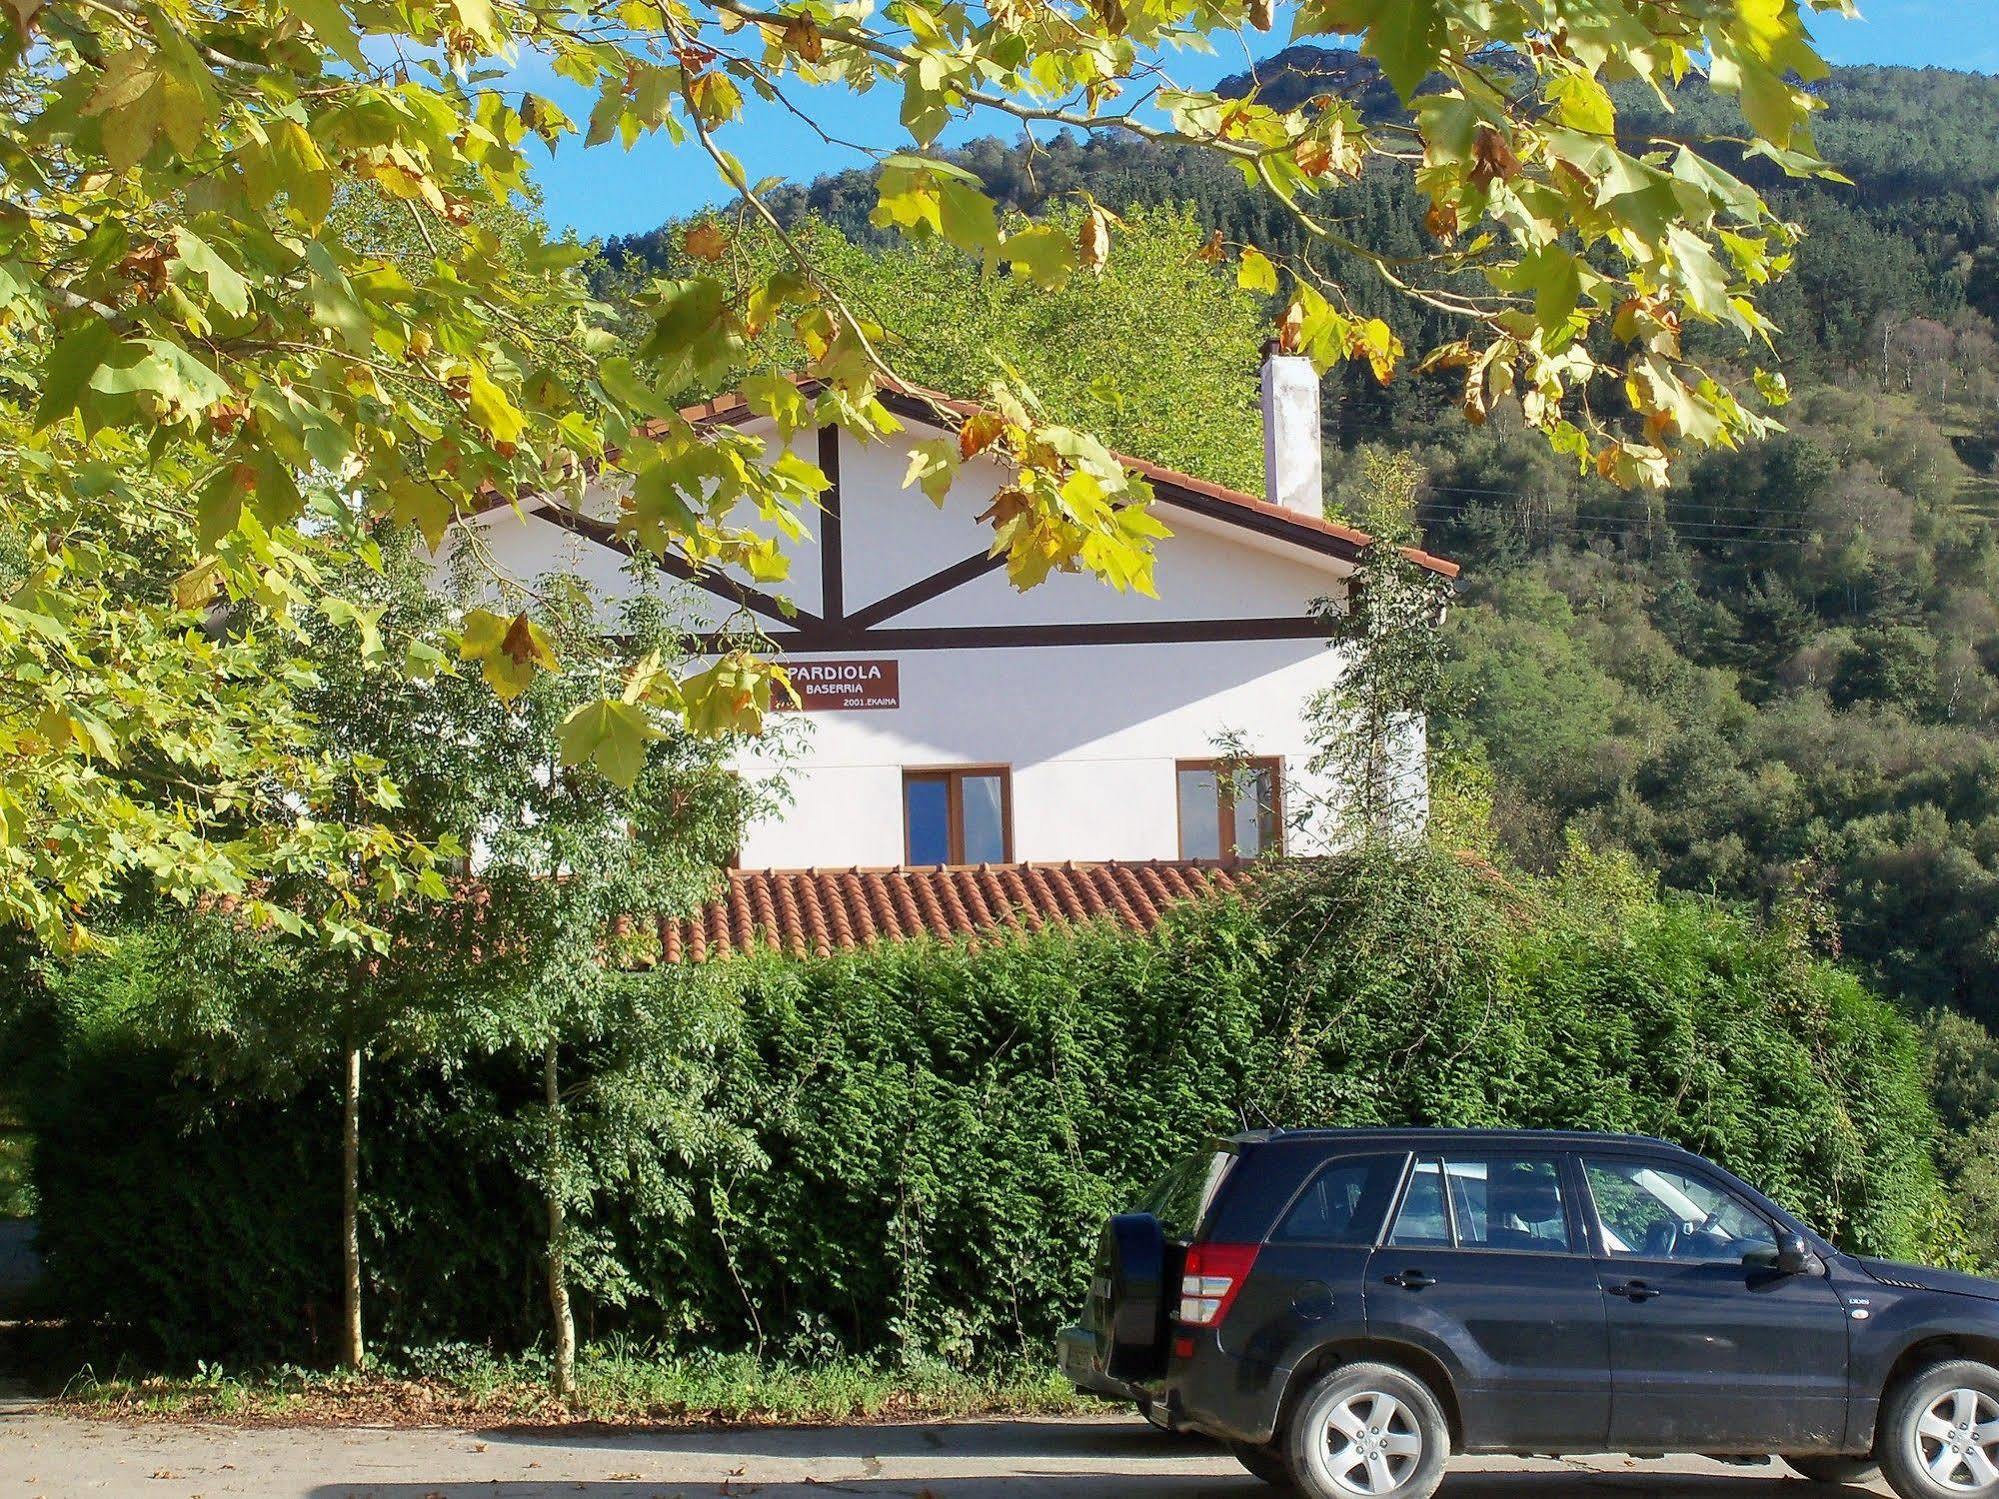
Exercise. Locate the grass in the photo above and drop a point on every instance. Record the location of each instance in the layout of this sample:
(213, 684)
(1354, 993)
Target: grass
(618, 1383)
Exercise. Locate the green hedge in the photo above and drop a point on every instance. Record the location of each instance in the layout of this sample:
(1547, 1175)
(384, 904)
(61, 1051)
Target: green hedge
(946, 1126)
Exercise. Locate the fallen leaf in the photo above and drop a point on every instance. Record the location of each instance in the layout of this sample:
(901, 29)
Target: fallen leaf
(520, 643)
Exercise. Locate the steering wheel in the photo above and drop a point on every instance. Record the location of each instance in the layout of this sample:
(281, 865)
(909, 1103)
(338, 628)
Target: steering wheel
(1662, 1240)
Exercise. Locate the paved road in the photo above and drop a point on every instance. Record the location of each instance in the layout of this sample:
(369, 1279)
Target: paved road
(20, 1267)
(1084, 1459)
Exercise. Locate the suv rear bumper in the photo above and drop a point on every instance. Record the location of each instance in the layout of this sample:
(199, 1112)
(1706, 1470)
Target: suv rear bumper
(1076, 1351)
(1225, 1395)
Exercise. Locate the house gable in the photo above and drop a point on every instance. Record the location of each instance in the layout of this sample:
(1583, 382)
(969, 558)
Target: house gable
(880, 567)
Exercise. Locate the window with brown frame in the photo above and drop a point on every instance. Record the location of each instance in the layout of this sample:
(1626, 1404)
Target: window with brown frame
(958, 815)
(1231, 809)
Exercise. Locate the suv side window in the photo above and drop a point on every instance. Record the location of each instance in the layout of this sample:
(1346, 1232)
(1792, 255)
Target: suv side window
(1424, 1222)
(1495, 1202)
(1344, 1203)
(1654, 1212)
(1509, 1202)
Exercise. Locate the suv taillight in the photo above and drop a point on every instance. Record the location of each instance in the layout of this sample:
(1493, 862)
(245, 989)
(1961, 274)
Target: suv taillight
(1214, 1274)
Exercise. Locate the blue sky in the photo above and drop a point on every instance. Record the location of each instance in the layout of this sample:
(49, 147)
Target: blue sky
(609, 190)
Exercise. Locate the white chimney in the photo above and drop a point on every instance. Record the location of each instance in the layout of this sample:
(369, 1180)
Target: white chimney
(1291, 468)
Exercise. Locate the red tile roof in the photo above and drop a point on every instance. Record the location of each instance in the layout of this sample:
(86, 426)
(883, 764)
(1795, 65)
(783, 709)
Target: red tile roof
(806, 912)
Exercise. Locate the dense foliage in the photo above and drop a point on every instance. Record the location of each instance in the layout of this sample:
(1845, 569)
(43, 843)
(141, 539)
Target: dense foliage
(939, 1130)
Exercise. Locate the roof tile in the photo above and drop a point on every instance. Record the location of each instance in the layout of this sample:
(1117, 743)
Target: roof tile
(812, 911)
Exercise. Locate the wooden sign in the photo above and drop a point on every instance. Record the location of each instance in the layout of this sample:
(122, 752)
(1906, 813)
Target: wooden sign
(846, 686)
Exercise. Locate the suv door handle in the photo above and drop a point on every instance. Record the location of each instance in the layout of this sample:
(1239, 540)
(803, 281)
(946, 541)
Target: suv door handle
(1635, 1290)
(1412, 1280)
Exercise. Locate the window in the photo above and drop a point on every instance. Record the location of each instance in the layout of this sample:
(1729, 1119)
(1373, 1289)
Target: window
(1656, 1213)
(1344, 1204)
(958, 816)
(1181, 1198)
(1230, 809)
(1496, 1202)
(1422, 1223)
(1509, 1202)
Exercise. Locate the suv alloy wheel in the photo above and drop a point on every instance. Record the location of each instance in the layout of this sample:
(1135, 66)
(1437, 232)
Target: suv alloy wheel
(1939, 1436)
(1367, 1431)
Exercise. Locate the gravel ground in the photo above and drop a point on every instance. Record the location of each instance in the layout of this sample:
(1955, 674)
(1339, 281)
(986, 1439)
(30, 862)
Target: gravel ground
(1108, 1458)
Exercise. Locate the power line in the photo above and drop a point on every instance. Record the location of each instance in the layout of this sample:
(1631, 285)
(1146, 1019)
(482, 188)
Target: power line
(1730, 528)
(1619, 530)
(1518, 494)
(1552, 517)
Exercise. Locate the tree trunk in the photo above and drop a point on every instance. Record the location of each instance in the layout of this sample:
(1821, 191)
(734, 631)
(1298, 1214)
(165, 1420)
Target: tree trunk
(558, 1285)
(353, 1351)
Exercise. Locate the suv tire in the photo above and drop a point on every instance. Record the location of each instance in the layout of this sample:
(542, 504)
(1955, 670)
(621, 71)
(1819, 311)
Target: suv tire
(1367, 1431)
(1266, 1462)
(1939, 1433)
(1855, 1472)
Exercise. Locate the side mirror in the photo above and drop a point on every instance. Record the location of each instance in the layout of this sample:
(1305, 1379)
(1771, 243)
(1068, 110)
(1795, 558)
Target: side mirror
(1794, 1255)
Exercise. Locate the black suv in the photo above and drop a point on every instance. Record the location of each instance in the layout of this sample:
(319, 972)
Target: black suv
(1346, 1308)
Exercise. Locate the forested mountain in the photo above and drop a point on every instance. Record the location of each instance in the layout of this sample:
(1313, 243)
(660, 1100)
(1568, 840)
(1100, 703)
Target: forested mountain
(1780, 682)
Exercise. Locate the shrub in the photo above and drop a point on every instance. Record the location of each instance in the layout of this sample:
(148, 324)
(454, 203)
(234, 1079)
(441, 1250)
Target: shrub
(943, 1127)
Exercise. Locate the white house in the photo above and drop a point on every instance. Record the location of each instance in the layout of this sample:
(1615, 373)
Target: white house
(952, 720)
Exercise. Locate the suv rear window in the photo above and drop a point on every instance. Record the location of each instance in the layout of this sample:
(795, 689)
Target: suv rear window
(1343, 1204)
(1180, 1199)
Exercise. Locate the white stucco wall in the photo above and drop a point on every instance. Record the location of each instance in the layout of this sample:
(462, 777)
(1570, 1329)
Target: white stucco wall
(1091, 732)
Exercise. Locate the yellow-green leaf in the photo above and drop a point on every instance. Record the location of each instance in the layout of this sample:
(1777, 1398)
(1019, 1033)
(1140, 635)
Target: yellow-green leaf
(1044, 254)
(1254, 272)
(71, 365)
(611, 735)
(1583, 104)
(230, 291)
(509, 651)
(488, 405)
